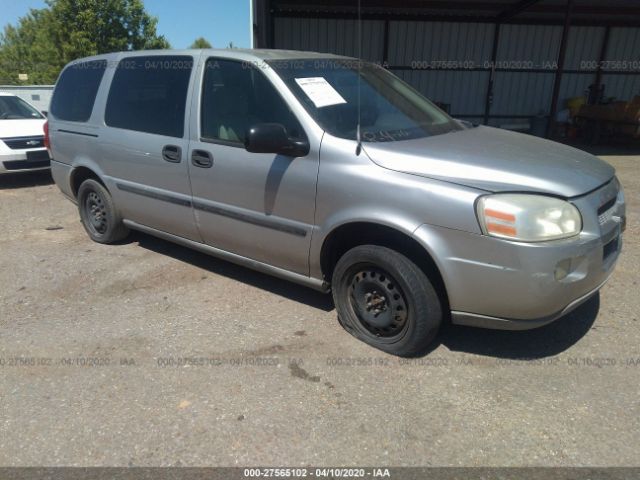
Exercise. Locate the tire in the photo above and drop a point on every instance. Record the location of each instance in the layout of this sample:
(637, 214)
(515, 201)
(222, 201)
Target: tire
(98, 213)
(385, 300)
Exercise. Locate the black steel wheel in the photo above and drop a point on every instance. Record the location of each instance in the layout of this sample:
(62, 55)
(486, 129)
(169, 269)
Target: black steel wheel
(377, 301)
(386, 300)
(98, 213)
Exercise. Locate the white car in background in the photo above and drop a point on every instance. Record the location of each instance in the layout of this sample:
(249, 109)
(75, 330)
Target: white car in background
(22, 146)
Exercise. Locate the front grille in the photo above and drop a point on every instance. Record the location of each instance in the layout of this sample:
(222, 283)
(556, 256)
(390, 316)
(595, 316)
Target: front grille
(608, 199)
(606, 206)
(22, 143)
(605, 217)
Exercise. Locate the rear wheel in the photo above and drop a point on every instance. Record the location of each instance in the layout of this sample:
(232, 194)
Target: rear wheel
(385, 300)
(98, 213)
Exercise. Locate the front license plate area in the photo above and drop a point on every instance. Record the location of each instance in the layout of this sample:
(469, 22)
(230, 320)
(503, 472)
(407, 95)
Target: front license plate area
(37, 156)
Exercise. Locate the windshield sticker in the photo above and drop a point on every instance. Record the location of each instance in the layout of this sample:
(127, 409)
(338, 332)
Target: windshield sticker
(321, 93)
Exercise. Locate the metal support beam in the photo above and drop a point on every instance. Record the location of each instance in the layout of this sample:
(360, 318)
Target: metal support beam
(603, 54)
(631, 20)
(519, 7)
(561, 55)
(385, 44)
(494, 55)
(271, 34)
(261, 18)
(409, 8)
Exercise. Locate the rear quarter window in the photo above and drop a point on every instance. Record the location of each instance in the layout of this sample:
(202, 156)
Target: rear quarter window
(149, 94)
(76, 91)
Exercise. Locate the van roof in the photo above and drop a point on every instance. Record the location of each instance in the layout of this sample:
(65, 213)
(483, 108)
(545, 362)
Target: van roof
(234, 53)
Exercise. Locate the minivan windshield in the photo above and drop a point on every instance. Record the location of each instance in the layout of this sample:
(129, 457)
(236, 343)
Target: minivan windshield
(390, 110)
(14, 108)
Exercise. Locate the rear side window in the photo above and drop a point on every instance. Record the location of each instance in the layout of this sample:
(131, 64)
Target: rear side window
(76, 91)
(149, 94)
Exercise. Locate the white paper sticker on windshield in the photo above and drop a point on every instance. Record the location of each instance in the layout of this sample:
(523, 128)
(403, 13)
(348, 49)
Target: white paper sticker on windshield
(321, 93)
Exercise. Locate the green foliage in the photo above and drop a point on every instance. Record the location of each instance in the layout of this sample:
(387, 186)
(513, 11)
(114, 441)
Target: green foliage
(46, 40)
(200, 43)
(27, 48)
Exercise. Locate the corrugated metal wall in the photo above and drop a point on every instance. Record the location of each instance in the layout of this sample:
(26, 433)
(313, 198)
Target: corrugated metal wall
(525, 47)
(583, 51)
(414, 44)
(624, 46)
(428, 41)
(420, 44)
(331, 36)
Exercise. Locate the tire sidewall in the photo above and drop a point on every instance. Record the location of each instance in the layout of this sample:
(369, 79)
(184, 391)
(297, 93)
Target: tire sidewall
(85, 189)
(423, 305)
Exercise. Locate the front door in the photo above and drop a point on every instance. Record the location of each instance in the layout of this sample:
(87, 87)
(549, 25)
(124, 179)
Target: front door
(259, 206)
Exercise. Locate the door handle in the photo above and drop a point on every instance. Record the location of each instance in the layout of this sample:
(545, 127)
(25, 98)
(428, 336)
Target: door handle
(172, 153)
(201, 158)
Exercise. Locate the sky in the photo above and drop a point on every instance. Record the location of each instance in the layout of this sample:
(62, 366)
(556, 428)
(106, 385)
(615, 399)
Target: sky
(180, 21)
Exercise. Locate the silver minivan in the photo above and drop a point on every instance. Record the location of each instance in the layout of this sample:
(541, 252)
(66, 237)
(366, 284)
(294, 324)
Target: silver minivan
(336, 174)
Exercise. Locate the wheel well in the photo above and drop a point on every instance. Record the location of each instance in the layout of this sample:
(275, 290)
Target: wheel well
(81, 174)
(348, 236)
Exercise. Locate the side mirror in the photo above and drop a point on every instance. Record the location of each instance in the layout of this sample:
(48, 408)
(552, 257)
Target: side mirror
(273, 138)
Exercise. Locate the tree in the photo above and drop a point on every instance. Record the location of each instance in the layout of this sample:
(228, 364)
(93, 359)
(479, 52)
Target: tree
(27, 48)
(200, 42)
(47, 39)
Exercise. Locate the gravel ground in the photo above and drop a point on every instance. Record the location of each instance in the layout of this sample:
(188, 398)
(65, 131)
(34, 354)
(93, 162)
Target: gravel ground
(93, 341)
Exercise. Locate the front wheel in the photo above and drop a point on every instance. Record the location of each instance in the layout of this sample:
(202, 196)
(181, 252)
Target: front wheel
(98, 213)
(386, 300)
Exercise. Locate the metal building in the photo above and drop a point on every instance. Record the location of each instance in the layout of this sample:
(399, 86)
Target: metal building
(496, 62)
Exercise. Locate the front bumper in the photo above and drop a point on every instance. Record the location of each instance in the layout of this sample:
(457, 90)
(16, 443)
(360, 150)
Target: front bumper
(19, 161)
(483, 321)
(494, 283)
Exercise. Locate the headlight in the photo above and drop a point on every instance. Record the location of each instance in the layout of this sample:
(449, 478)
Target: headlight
(528, 218)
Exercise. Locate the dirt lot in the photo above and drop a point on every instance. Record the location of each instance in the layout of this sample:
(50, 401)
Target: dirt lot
(93, 341)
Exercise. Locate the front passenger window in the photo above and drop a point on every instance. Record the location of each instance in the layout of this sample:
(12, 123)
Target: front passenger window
(236, 96)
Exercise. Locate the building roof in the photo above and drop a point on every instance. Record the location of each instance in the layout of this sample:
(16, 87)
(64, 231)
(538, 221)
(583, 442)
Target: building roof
(595, 12)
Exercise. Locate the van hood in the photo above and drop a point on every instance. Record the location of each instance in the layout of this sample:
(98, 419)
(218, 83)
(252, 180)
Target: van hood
(495, 160)
(21, 128)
